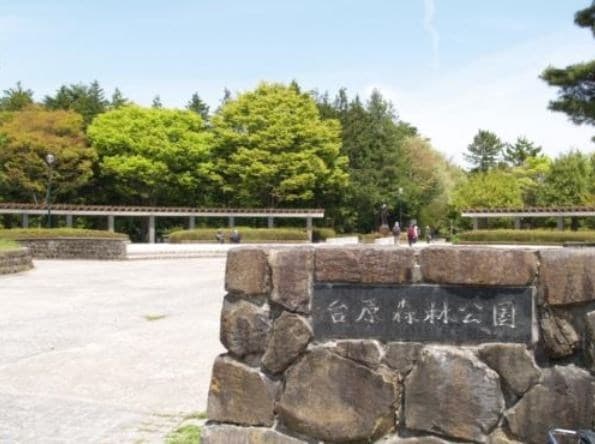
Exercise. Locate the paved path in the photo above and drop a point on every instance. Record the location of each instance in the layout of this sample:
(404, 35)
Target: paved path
(110, 352)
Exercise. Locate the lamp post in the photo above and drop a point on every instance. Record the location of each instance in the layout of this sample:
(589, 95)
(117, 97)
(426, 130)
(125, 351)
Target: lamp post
(49, 159)
(400, 200)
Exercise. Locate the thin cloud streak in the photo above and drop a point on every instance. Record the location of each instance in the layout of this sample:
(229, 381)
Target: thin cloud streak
(430, 28)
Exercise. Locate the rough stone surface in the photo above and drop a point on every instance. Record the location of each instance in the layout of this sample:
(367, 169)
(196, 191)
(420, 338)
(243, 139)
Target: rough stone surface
(402, 356)
(566, 276)
(244, 327)
(77, 248)
(564, 399)
(247, 271)
(559, 337)
(590, 340)
(451, 393)
(498, 436)
(15, 261)
(335, 399)
(240, 394)
(365, 265)
(230, 434)
(292, 278)
(514, 364)
(413, 440)
(290, 336)
(365, 352)
(477, 266)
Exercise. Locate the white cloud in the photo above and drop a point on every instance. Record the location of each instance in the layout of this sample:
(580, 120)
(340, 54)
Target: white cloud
(500, 92)
(430, 28)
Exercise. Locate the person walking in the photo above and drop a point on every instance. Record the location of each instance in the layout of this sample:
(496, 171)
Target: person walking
(411, 235)
(397, 233)
(428, 234)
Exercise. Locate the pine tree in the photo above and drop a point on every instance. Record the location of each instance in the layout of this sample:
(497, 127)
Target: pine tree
(118, 99)
(198, 106)
(15, 99)
(517, 153)
(484, 152)
(157, 102)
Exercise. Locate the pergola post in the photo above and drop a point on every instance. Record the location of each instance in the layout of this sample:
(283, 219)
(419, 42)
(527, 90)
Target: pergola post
(271, 222)
(151, 229)
(560, 223)
(191, 223)
(517, 223)
(309, 228)
(25, 220)
(110, 222)
(69, 220)
(232, 222)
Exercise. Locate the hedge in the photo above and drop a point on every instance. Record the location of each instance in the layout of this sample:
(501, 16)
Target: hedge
(250, 234)
(6, 245)
(554, 237)
(45, 233)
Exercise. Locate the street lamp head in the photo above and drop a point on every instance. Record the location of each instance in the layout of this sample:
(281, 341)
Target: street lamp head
(50, 158)
(400, 191)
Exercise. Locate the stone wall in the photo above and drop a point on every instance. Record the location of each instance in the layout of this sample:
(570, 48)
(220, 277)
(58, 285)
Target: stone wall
(280, 382)
(77, 248)
(15, 261)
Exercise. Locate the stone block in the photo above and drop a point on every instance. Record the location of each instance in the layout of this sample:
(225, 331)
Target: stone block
(567, 276)
(559, 336)
(413, 440)
(289, 338)
(331, 398)
(453, 394)
(244, 327)
(514, 364)
(231, 434)
(402, 356)
(477, 266)
(365, 265)
(498, 436)
(240, 394)
(365, 352)
(563, 399)
(247, 272)
(590, 340)
(292, 278)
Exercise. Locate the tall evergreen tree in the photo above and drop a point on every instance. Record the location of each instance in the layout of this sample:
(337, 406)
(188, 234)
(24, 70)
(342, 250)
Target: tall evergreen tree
(157, 102)
(118, 99)
(88, 101)
(484, 152)
(516, 154)
(576, 96)
(15, 99)
(197, 105)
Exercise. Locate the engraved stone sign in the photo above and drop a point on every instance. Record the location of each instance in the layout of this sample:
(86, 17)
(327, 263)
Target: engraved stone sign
(423, 313)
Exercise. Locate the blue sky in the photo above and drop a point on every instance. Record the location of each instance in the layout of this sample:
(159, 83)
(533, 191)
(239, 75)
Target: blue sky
(449, 66)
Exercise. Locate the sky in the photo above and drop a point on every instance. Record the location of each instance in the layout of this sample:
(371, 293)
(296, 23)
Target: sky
(450, 67)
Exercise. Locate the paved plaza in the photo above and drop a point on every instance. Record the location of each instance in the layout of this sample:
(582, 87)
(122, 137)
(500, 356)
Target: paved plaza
(110, 352)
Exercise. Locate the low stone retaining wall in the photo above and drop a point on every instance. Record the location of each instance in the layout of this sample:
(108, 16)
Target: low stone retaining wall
(396, 345)
(15, 261)
(77, 248)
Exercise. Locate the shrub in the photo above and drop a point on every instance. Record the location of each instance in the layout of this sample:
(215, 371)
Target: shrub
(556, 237)
(6, 245)
(248, 235)
(322, 234)
(44, 233)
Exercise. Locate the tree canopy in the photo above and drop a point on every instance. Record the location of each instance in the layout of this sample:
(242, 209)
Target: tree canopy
(16, 99)
(484, 152)
(88, 101)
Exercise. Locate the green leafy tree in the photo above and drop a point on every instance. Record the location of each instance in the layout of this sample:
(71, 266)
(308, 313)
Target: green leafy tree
(273, 149)
(16, 99)
(88, 101)
(516, 154)
(491, 189)
(531, 175)
(568, 181)
(484, 152)
(26, 137)
(576, 96)
(153, 156)
(118, 99)
(197, 105)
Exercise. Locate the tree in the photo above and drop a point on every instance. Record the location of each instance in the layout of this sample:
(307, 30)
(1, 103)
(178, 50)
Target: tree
(88, 101)
(484, 151)
(16, 99)
(517, 153)
(157, 102)
(490, 189)
(153, 156)
(568, 181)
(26, 137)
(273, 149)
(198, 106)
(118, 99)
(576, 96)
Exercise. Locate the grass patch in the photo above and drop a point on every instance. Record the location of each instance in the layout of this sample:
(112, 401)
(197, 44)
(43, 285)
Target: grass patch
(44, 233)
(529, 237)
(7, 245)
(196, 415)
(188, 434)
(154, 317)
(247, 234)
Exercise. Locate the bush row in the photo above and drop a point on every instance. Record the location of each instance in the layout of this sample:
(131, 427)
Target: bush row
(556, 237)
(44, 233)
(251, 234)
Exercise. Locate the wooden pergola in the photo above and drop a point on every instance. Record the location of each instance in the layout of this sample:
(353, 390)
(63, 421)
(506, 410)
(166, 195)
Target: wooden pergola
(111, 211)
(517, 213)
